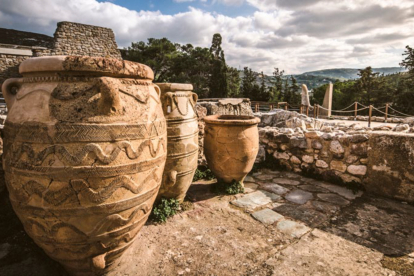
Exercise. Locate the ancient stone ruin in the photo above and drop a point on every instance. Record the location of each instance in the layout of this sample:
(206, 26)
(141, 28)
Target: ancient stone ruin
(379, 158)
(90, 144)
(69, 39)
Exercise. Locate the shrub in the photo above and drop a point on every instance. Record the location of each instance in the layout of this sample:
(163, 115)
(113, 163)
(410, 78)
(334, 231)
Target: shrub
(235, 187)
(165, 209)
(203, 174)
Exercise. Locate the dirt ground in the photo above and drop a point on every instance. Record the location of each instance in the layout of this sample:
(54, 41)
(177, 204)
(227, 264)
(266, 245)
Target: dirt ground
(309, 227)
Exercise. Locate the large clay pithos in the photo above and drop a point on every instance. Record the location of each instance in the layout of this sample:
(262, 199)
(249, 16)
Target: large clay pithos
(231, 144)
(178, 102)
(84, 152)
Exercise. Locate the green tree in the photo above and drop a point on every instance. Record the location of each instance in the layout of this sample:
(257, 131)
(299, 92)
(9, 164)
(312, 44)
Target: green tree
(233, 82)
(408, 61)
(277, 85)
(367, 84)
(294, 94)
(404, 94)
(218, 80)
(263, 94)
(250, 89)
(159, 54)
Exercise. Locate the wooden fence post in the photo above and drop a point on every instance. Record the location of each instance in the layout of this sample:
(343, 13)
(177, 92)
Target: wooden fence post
(307, 110)
(314, 110)
(317, 111)
(356, 110)
(256, 107)
(286, 106)
(370, 115)
(386, 112)
(300, 109)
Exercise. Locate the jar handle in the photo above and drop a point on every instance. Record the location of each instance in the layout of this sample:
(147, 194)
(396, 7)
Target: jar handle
(158, 89)
(110, 102)
(9, 93)
(195, 98)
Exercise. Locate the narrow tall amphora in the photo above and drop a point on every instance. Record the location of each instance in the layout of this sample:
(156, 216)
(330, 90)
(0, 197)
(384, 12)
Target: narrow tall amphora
(84, 152)
(178, 103)
(231, 144)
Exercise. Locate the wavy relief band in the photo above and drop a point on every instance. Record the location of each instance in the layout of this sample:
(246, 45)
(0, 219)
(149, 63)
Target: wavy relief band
(65, 133)
(24, 169)
(77, 252)
(81, 187)
(113, 207)
(112, 225)
(77, 158)
(111, 253)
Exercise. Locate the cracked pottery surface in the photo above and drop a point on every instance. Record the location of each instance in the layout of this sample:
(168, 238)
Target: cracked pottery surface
(231, 144)
(178, 103)
(84, 152)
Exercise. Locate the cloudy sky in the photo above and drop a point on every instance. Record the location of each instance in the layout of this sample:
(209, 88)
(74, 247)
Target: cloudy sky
(294, 35)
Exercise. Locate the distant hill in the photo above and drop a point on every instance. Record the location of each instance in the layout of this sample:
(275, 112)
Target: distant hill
(317, 78)
(349, 73)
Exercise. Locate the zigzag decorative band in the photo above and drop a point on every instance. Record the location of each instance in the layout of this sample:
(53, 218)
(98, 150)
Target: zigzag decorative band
(65, 133)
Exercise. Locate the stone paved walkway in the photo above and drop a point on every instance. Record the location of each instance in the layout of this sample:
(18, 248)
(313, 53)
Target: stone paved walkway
(284, 224)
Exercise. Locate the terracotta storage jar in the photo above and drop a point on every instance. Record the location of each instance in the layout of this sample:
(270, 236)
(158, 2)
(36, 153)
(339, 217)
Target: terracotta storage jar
(178, 103)
(84, 152)
(231, 144)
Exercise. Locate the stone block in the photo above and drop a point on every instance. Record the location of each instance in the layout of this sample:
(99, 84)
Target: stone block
(336, 147)
(274, 188)
(292, 228)
(338, 166)
(267, 216)
(321, 164)
(256, 199)
(316, 144)
(357, 169)
(295, 160)
(308, 159)
(285, 181)
(299, 196)
(334, 199)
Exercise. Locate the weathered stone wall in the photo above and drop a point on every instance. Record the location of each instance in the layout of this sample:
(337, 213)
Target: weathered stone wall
(9, 66)
(227, 106)
(379, 159)
(84, 40)
(69, 39)
(201, 113)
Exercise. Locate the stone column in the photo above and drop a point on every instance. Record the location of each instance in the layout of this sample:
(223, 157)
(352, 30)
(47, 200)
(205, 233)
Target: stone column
(327, 101)
(305, 95)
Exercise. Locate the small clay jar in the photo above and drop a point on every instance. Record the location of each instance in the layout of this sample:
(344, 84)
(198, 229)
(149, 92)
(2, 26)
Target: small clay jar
(231, 144)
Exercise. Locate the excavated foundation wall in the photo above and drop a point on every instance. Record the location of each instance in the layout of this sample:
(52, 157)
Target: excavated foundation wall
(381, 160)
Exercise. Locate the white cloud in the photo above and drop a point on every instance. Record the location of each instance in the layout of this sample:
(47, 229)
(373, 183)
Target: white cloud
(293, 35)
